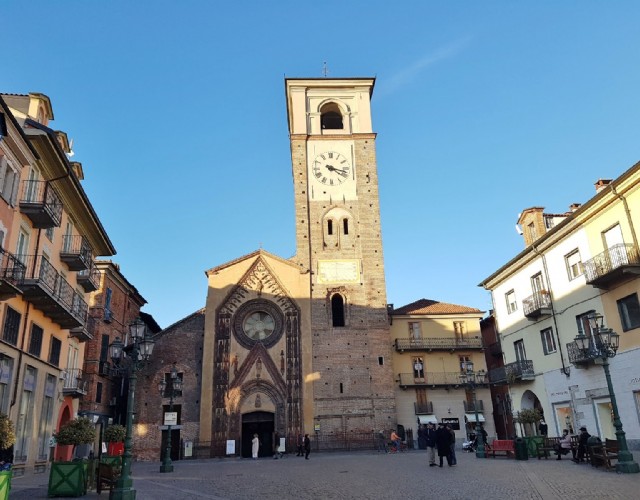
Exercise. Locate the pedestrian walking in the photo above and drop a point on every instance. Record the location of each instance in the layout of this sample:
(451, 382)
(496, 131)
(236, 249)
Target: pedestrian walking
(452, 446)
(443, 443)
(255, 446)
(543, 427)
(300, 445)
(276, 446)
(307, 446)
(430, 440)
(382, 442)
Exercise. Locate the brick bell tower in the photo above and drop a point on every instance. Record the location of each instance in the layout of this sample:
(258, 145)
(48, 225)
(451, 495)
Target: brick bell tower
(339, 242)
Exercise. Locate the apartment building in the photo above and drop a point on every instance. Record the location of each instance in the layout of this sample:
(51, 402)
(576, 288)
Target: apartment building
(49, 236)
(575, 264)
(433, 343)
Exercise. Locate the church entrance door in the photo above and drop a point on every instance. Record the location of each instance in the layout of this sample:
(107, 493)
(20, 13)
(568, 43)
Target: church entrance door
(262, 424)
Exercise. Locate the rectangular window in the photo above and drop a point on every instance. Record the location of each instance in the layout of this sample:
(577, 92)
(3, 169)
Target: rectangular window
(582, 322)
(459, 328)
(414, 330)
(107, 304)
(46, 418)
(104, 348)
(573, 261)
(11, 326)
(512, 305)
(418, 369)
(99, 392)
(518, 347)
(548, 341)
(25, 416)
(629, 310)
(54, 351)
(6, 372)
(463, 360)
(35, 340)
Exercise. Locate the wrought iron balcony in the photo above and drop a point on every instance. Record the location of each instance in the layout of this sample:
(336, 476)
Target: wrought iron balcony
(512, 372)
(580, 358)
(74, 385)
(616, 264)
(89, 279)
(470, 408)
(41, 204)
(430, 379)
(49, 292)
(438, 344)
(11, 275)
(425, 408)
(537, 305)
(86, 331)
(76, 252)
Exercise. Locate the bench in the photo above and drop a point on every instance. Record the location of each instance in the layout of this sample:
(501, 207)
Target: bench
(505, 446)
(547, 446)
(107, 475)
(603, 453)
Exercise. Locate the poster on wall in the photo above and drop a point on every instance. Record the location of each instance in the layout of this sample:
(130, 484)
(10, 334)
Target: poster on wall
(231, 447)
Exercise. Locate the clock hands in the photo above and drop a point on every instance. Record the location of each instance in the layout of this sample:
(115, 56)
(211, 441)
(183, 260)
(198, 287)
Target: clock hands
(331, 168)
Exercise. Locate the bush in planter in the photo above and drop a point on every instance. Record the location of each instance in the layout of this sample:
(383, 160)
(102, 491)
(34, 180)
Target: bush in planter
(7, 433)
(69, 478)
(115, 433)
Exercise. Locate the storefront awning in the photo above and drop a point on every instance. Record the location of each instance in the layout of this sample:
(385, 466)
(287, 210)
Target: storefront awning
(427, 419)
(471, 417)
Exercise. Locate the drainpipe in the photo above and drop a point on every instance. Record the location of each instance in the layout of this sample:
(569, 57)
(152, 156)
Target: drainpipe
(564, 369)
(628, 213)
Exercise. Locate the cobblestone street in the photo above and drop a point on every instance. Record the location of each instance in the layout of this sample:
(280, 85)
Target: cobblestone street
(366, 476)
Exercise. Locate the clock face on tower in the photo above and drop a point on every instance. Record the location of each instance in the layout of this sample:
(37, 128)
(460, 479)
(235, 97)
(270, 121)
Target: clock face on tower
(331, 168)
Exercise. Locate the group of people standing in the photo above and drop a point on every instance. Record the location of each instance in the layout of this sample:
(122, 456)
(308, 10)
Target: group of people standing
(303, 445)
(442, 439)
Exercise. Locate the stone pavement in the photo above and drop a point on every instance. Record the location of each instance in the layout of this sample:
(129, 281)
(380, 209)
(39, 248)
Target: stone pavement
(365, 475)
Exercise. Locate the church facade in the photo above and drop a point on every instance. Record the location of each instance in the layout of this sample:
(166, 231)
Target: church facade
(299, 345)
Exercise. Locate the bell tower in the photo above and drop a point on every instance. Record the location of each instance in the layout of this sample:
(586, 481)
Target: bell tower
(339, 243)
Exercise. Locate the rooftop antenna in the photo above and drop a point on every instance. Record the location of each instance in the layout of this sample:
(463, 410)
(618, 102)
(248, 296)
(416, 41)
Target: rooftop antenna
(325, 70)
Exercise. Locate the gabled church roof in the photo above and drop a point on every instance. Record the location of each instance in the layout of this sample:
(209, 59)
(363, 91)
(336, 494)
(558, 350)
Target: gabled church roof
(427, 306)
(249, 256)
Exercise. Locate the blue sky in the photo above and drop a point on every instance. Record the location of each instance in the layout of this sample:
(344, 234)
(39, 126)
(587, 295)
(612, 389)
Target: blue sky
(178, 115)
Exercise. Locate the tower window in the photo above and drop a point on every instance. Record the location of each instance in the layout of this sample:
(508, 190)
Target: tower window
(330, 117)
(345, 223)
(337, 310)
(329, 226)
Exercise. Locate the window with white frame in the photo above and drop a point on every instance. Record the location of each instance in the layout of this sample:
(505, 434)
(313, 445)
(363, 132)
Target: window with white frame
(414, 330)
(518, 347)
(573, 262)
(548, 341)
(629, 310)
(512, 304)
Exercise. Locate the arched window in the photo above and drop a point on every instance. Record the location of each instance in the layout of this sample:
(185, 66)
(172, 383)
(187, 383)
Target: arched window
(329, 226)
(337, 310)
(331, 117)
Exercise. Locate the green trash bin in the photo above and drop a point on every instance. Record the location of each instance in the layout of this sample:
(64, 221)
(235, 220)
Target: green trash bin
(521, 449)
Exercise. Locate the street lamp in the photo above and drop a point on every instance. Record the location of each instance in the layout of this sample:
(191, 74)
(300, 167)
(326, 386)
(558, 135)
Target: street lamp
(174, 388)
(603, 346)
(127, 360)
(472, 380)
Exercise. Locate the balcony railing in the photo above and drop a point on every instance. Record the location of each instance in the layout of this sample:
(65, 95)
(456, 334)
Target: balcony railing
(430, 379)
(74, 385)
(616, 264)
(49, 292)
(76, 252)
(537, 305)
(85, 332)
(438, 344)
(89, 279)
(425, 408)
(470, 408)
(11, 274)
(578, 357)
(41, 204)
(512, 372)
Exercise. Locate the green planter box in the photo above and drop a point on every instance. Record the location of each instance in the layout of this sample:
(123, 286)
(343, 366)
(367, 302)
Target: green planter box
(68, 479)
(532, 444)
(112, 460)
(5, 484)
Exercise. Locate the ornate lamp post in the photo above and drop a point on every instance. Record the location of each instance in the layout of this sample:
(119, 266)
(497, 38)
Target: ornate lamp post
(604, 346)
(472, 380)
(127, 360)
(173, 390)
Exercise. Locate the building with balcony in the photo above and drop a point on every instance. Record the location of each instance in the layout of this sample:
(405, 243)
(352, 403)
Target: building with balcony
(49, 233)
(574, 264)
(432, 342)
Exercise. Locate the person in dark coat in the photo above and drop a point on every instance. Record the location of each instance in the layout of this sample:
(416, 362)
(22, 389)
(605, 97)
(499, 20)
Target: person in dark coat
(443, 443)
(583, 440)
(430, 438)
(300, 445)
(307, 446)
(543, 427)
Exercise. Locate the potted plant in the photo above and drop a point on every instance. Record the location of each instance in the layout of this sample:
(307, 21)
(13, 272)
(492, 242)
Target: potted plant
(7, 440)
(69, 478)
(528, 419)
(114, 435)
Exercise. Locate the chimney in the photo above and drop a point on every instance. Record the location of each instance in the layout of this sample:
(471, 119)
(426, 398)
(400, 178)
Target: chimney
(601, 184)
(574, 206)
